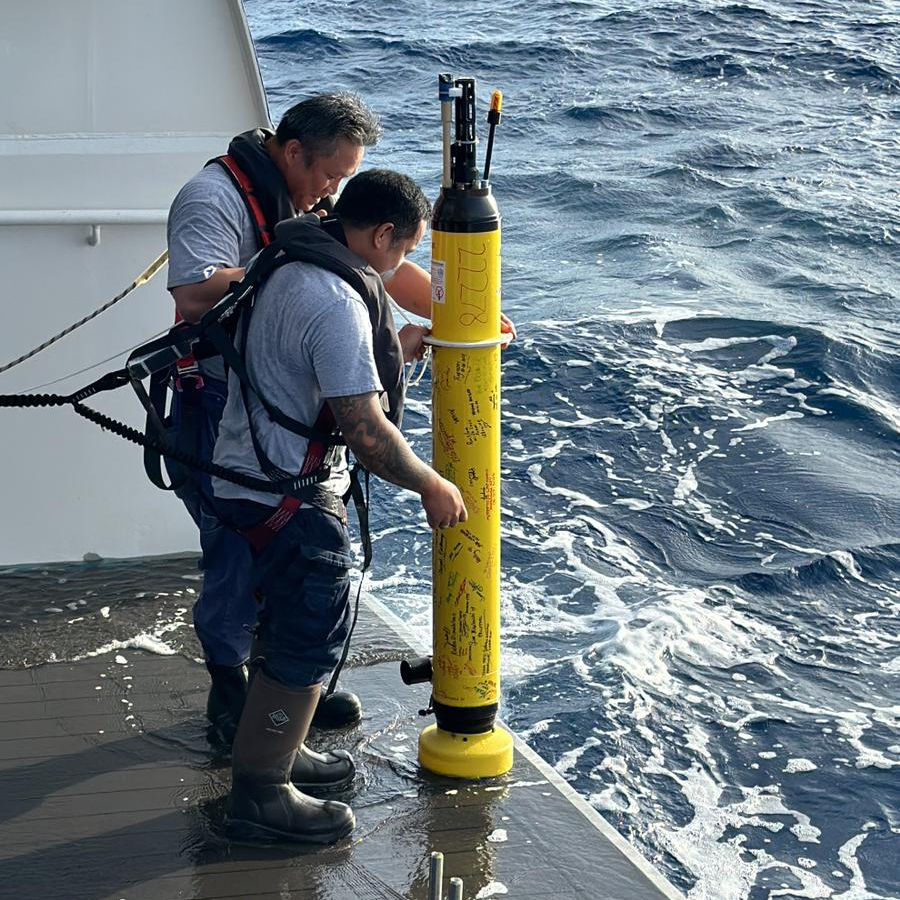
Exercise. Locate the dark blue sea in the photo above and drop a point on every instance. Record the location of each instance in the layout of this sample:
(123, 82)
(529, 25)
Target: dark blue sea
(701, 542)
(701, 495)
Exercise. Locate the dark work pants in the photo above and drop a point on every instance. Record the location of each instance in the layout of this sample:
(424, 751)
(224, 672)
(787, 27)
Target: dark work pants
(303, 579)
(226, 609)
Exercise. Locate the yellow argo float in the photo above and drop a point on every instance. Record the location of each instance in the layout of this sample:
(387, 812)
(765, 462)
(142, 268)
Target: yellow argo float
(466, 339)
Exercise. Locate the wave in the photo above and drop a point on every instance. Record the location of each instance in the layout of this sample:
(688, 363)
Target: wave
(300, 40)
(842, 66)
(712, 65)
(487, 56)
(629, 115)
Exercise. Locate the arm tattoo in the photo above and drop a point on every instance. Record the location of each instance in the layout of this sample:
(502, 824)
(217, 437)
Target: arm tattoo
(377, 444)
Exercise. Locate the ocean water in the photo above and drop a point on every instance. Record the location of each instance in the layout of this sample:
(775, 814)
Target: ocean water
(701, 539)
(701, 494)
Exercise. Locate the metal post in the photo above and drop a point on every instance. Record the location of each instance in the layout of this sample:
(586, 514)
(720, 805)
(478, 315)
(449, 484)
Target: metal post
(456, 889)
(436, 877)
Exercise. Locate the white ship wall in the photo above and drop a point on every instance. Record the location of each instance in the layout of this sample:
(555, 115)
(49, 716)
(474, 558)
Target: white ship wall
(107, 108)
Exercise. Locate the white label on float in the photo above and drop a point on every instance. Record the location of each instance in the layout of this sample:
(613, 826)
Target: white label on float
(437, 280)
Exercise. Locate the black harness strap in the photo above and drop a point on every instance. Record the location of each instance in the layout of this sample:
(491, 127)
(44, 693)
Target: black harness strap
(361, 502)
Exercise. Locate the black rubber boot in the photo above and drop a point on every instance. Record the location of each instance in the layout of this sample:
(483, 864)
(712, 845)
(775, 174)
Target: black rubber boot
(264, 805)
(313, 771)
(227, 694)
(341, 709)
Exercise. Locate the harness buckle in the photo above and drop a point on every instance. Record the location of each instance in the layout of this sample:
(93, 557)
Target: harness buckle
(187, 367)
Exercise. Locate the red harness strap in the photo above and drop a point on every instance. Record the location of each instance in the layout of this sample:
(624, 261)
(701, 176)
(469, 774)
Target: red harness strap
(260, 536)
(187, 365)
(250, 198)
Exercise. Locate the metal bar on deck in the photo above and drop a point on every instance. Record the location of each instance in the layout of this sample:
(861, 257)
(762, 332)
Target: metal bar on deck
(436, 877)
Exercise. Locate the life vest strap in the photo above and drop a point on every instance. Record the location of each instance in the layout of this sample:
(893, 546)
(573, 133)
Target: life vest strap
(187, 367)
(248, 194)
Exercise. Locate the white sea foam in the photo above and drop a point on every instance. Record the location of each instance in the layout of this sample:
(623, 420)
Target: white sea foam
(764, 372)
(768, 420)
(687, 483)
(857, 889)
(540, 419)
(681, 623)
(539, 451)
(576, 498)
(853, 727)
(397, 578)
(151, 641)
(570, 758)
(615, 798)
(884, 408)
(539, 727)
(517, 664)
(845, 558)
(776, 340)
(781, 346)
(632, 503)
(721, 865)
(720, 868)
(800, 765)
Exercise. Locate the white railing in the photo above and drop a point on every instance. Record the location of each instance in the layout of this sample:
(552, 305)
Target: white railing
(83, 216)
(93, 218)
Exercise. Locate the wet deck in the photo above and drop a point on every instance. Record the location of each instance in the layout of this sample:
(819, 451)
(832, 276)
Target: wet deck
(108, 790)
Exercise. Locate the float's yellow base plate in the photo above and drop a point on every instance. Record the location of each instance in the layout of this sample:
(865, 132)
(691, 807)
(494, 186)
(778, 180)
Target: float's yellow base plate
(466, 755)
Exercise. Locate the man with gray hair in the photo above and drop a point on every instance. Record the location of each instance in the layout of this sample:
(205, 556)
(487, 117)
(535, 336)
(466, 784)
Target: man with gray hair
(218, 221)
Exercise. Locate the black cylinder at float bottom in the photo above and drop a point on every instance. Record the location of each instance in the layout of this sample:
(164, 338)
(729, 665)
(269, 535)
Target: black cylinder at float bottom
(465, 719)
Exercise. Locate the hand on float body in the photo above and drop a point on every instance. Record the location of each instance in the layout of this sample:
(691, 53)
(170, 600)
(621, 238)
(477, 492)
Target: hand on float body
(442, 502)
(411, 341)
(507, 327)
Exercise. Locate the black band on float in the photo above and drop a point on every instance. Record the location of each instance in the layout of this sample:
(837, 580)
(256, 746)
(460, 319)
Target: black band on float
(465, 210)
(465, 719)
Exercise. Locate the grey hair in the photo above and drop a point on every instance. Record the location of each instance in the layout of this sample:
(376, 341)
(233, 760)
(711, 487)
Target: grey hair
(321, 121)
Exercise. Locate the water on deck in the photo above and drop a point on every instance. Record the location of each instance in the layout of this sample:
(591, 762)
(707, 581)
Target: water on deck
(109, 790)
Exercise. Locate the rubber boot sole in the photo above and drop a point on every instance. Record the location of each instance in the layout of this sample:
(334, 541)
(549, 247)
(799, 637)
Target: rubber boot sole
(253, 832)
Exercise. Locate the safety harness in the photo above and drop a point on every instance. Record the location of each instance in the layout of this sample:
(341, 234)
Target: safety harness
(322, 444)
(223, 331)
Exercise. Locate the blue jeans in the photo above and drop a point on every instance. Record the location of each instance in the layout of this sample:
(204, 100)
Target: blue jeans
(226, 609)
(303, 580)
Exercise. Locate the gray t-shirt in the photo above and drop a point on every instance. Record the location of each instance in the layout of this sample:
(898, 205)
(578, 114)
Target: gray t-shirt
(310, 338)
(209, 228)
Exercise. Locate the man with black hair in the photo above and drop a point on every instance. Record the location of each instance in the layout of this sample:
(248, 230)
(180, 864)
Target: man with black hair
(218, 221)
(321, 346)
